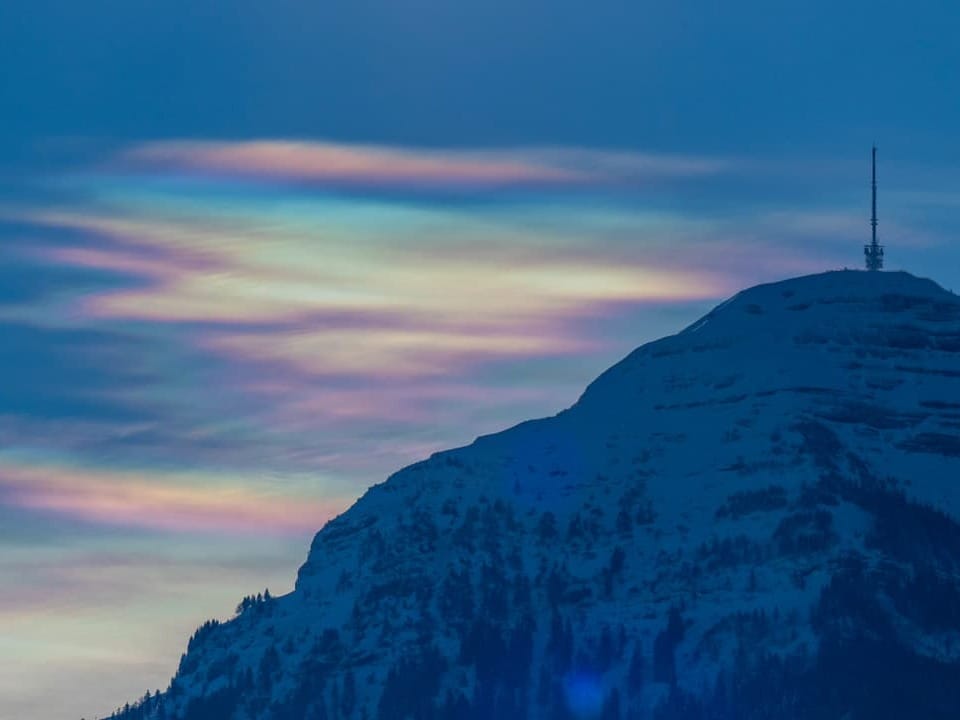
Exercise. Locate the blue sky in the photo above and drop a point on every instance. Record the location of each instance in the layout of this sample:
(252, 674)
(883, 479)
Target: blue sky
(681, 76)
(255, 258)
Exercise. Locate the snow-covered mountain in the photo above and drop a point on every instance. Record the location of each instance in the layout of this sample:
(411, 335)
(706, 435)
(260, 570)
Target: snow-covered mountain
(758, 517)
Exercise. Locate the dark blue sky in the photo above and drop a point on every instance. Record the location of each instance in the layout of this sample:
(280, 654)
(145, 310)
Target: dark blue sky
(684, 76)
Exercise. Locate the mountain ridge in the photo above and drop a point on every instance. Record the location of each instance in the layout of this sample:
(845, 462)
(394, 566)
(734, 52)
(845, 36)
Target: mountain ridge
(705, 521)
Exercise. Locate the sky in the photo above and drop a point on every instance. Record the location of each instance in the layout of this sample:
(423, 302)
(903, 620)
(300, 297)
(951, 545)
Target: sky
(254, 257)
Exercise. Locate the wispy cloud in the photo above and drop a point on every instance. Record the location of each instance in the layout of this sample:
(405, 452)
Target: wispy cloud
(165, 501)
(223, 273)
(366, 288)
(378, 165)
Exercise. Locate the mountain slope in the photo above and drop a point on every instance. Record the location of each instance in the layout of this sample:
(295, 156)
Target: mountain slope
(754, 518)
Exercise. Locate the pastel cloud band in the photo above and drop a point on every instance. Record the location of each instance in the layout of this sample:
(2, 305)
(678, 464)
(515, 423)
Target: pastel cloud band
(330, 302)
(161, 501)
(324, 162)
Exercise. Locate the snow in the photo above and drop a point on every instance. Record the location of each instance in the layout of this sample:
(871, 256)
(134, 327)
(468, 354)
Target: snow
(680, 425)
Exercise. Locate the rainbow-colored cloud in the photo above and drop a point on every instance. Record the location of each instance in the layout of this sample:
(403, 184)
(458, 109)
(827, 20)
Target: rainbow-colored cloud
(379, 165)
(161, 500)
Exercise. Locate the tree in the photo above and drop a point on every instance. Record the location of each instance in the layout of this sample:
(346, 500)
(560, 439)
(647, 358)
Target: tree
(348, 697)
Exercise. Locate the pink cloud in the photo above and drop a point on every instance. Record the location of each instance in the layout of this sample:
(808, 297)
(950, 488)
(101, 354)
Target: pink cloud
(162, 502)
(326, 162)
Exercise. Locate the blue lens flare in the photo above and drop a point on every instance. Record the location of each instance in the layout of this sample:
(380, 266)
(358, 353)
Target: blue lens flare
(584, 694)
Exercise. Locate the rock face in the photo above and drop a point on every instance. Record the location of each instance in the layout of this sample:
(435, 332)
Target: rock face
(754, 518)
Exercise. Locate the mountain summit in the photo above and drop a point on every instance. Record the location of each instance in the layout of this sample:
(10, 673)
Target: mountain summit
(754, 518)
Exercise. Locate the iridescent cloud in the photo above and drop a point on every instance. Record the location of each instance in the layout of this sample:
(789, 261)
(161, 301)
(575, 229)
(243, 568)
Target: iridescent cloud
(228, 274)
(353, 164)
(365, 288)
(163, 501)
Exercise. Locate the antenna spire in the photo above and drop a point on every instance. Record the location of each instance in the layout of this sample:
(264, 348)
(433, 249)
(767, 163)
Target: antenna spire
(873, 253)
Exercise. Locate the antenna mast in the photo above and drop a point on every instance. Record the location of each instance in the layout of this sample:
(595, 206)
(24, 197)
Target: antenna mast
(873, 253)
